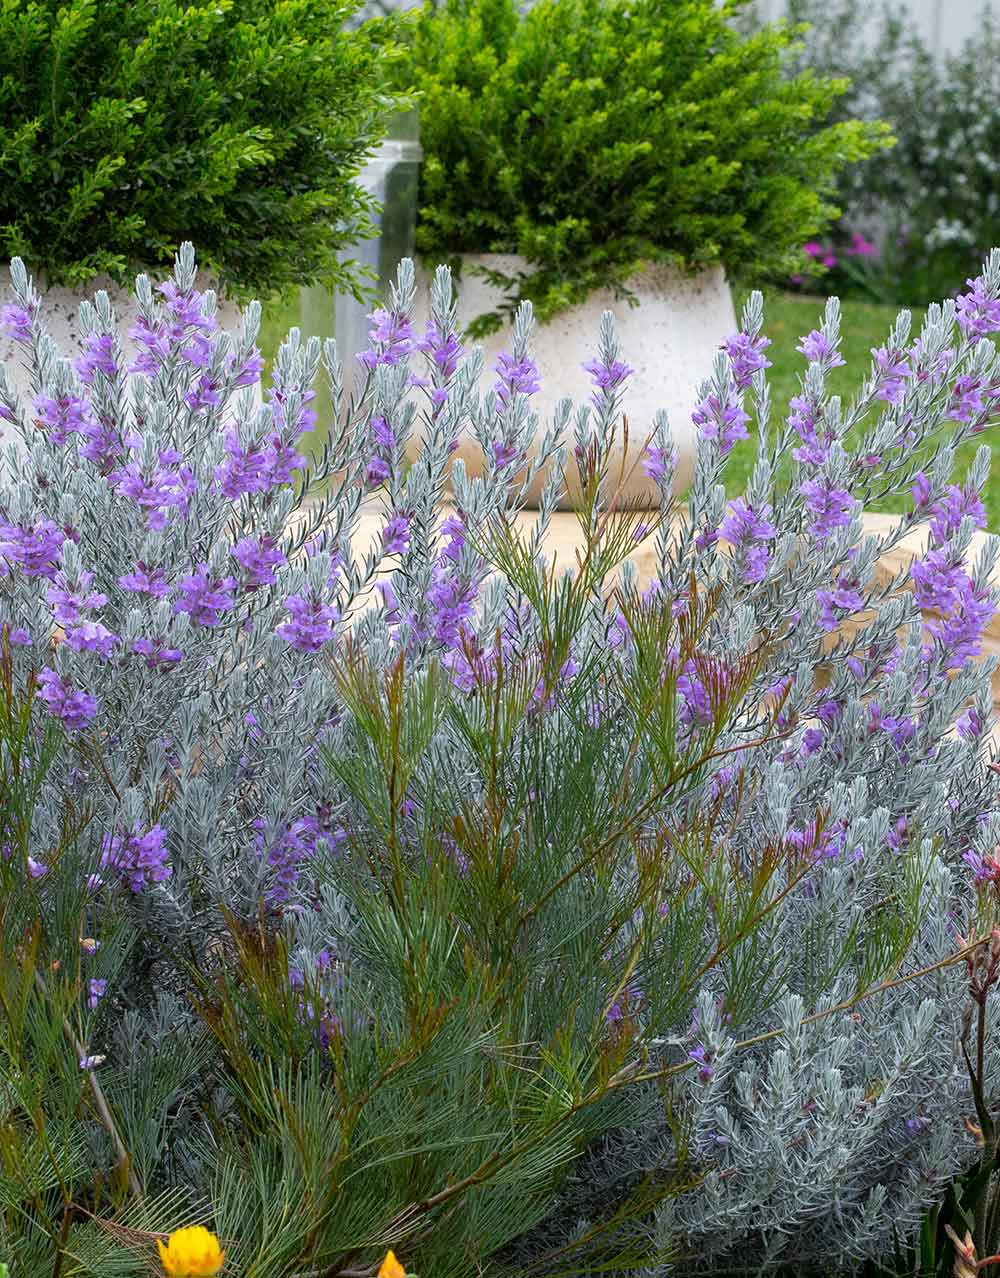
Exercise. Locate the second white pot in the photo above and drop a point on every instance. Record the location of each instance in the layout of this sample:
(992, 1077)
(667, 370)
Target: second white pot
(670, 339)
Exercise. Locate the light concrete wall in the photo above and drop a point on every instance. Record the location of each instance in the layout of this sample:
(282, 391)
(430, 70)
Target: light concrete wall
(943, 25)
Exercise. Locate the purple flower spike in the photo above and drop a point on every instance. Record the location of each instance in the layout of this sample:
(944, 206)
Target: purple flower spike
(977, 312)
(76, 709)
(139, 859)
(311, 623)
(98, 357)
(514, 377)
(746, 355)
(18, 322)
(396, 535)
(818, 350)
(391, 337)
(258, 556)
(204, 598)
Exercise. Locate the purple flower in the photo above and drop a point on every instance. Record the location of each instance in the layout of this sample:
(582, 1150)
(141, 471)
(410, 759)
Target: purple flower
(382, 432)
(292, 852)
(969, 725)
(606, 378)
(829, 712)
(69, 602)
(930, 370)
(747, 529)
(843, 598)
(376, 472)
(921, 491)
(817, 349)
(156, 655)
(453, 527)
(311, 623)
(258, 468)
(451, 600)
(812, 740)
(967, 398)
(37, 869)
(138, 858)
(205, 598)
(897, 834)
(722, 419)
(504, 454)
(204, 394)
(957, 636)
(860, 246)
(703, 1058)
(248, 373)
(893, 371)
(91, 636)
(154, 347)
(258, 556)
(514, 377)
(168, 487)
(985, 868)
(444, 349)
(658, 463)
(19, 637)
(956, 504)
(184, 309)
(18, 322)
(696, 705)
(95, 993)
(802, 419)
(830, 508)
(74, 708)
(146, 580)
(199, 351)
(98, 356)
(35, 551)
(743, 523)
(391, 338)
(396, 535)
(746, 355)
(938, 581)
(62, 417)
(977, 312)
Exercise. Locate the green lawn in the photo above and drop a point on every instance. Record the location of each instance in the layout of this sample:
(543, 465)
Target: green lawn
(786, 318)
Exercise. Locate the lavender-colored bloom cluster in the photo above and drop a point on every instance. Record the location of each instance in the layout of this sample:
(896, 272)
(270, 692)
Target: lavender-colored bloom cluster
(137, 858)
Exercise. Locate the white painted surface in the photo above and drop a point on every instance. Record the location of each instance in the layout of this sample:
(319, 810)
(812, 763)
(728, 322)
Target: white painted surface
(943, 25)
(670, 340)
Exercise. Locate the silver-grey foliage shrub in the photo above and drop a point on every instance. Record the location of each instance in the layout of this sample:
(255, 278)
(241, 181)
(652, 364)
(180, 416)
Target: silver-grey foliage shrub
(698, 823)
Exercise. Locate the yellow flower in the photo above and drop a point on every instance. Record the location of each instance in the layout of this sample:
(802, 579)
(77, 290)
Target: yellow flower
(191, 1253)
(391, 1268)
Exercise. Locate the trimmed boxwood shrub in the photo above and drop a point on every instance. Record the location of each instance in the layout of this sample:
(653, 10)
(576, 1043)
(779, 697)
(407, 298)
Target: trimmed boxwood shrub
(128, 126)
(593, 135)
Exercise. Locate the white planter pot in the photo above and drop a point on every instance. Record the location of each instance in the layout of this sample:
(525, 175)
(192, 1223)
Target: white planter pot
(670, 339)
(61, 316)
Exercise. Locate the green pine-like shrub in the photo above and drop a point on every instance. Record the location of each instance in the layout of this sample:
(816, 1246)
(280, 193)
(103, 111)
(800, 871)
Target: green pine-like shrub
(591, 136)
(127, 126)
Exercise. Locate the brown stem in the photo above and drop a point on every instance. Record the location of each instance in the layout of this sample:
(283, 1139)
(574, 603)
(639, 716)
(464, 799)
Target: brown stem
(101, 1104)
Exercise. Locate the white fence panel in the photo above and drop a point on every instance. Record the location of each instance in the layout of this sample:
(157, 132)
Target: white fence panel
(943, 25)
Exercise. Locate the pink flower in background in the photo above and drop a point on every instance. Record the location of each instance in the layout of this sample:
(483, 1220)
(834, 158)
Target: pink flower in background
(860, 246)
